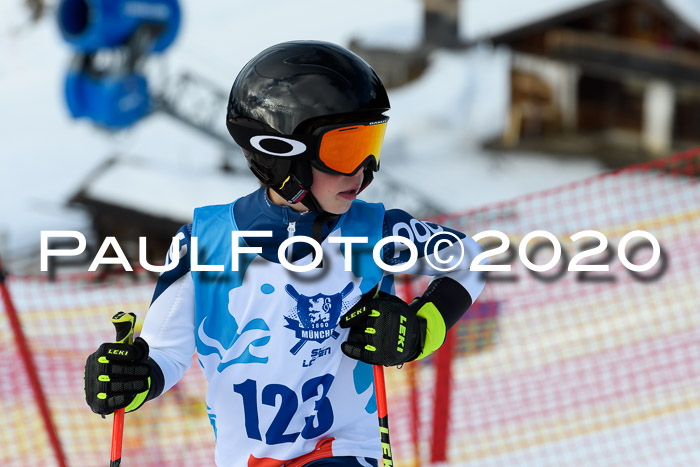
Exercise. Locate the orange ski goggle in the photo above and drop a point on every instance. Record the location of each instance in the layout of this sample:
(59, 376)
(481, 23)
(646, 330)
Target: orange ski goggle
(345, 149)
(340, 149)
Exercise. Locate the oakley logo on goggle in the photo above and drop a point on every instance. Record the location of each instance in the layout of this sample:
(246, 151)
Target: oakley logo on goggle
(296, 147)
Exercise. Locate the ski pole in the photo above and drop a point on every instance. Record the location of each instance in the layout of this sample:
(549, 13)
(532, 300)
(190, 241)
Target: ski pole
(383, 414)
(124, 323)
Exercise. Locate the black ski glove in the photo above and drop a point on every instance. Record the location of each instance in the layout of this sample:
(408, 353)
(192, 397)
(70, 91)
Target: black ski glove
(384, 330)
(117, 376)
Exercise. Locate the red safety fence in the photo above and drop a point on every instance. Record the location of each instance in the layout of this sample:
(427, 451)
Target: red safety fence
(572, 368)
(546, 368)
(65, 321)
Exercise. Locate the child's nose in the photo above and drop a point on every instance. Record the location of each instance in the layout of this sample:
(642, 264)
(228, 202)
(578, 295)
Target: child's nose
(357, 178)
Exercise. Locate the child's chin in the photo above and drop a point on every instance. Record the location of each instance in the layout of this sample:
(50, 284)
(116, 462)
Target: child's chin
(339, 207)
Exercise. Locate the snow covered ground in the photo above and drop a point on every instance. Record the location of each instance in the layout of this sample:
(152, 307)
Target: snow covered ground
(432, 139)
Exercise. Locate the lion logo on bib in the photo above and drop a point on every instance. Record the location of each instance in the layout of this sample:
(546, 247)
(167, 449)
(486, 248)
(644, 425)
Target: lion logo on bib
(315, 318)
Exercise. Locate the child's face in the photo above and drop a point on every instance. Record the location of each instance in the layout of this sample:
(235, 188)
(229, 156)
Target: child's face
(335, 193)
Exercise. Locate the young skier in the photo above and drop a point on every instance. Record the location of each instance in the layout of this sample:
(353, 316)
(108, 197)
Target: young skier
(288, 354)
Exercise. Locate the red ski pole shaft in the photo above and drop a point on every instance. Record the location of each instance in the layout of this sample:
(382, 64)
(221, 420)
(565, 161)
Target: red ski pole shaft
(124, 323)
(115, 458)
(383, 414)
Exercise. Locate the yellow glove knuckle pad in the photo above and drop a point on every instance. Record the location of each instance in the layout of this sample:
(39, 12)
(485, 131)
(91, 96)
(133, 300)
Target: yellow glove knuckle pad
(139, 399)
(435, 329)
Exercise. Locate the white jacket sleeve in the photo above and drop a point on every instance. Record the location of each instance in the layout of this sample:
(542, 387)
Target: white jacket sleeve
(169, 325)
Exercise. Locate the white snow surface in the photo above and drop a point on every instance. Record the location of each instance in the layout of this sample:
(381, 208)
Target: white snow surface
(173, 194)
(432, 141)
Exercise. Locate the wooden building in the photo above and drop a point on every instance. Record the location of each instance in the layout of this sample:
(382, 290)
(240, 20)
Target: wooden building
(617, 76)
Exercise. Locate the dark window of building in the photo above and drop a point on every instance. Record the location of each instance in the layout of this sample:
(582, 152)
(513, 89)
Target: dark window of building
(643, 20)
(606, 104)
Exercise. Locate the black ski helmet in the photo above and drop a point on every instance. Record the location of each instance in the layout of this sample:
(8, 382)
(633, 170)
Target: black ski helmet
(291, 89)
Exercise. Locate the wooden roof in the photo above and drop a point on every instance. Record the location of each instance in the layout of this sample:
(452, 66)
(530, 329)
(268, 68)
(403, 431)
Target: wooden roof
(665, 11)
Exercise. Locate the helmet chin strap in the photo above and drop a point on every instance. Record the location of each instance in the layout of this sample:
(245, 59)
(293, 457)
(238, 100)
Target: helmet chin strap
(293, 190)
(296, 188)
